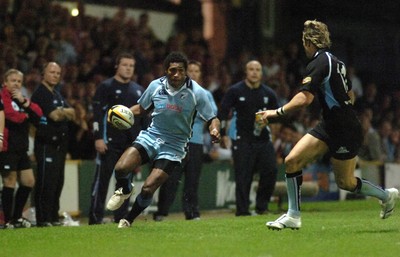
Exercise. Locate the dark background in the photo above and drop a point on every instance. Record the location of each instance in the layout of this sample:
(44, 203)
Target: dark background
(364, 33)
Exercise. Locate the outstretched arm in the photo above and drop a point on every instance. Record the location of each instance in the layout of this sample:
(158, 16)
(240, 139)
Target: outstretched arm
(300, 100)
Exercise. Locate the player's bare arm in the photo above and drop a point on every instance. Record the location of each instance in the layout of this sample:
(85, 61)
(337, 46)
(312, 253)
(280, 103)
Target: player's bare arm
(300, 100)
(137, 109)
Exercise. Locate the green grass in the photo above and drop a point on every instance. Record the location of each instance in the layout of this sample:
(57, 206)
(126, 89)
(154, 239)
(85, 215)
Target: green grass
(350, 228)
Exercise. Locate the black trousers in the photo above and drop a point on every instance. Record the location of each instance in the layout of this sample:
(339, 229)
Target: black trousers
(49, 180)
(250, 158)
(191, 168)
(105, 164)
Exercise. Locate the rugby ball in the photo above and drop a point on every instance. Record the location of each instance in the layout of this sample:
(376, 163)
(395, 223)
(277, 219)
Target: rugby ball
(120, 116)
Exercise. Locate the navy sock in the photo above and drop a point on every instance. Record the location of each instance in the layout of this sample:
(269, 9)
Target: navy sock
(124, 181)
(20, 200)
(7, 197)
(139, 205)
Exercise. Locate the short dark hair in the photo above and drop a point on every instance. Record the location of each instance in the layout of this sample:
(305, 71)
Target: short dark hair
(123, 55)
(194, 62)
(175, 57)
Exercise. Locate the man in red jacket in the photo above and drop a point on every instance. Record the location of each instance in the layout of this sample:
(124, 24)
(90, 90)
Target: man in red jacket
(14, 160)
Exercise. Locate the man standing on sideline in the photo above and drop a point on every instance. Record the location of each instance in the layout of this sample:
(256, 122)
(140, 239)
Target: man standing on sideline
(191, 165)
(51, 144)
(110, 142)
(15, 164)
(174, 100)
(339, 133)
(252, 150)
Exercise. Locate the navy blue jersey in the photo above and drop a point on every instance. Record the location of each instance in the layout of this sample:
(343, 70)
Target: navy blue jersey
(340, 129)
(326, 78)
(50, 131)
(109, 93)
(246, 102)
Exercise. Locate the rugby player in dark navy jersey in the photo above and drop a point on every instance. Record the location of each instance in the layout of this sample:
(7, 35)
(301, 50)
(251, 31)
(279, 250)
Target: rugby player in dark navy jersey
(339, 133)
(110, 142)
(252, 149)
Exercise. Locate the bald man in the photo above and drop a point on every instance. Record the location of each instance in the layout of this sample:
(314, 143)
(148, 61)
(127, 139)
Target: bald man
(252, 148)
(50, 146)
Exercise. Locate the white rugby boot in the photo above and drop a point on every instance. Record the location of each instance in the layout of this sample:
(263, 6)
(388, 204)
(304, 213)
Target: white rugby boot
(123, 223)
(284, 221)
(388, 206)
(118, 199)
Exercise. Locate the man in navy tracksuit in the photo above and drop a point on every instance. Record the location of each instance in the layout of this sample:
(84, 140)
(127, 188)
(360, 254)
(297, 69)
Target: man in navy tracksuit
(252, 149)
(51, 144)
(110, 142)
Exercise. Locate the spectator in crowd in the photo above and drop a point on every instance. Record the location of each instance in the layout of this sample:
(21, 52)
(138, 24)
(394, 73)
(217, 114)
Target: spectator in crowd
(286, 140)
(252, 149)
(2, 124)
(14, 161)
(369, 99)
(51, 145)
(191, 165)
(175, 100)
(110, 142)
(371, 149)
(339, 133)
(385, 130)
(355, 82)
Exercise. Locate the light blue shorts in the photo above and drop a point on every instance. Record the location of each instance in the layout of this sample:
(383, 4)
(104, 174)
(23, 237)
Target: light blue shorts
(157, 148)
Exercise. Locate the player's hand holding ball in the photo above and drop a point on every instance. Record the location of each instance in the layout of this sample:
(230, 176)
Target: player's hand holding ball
(121, 117)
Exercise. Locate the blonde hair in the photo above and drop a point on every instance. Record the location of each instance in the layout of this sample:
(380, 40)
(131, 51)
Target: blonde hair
(12, 71)
(317, 33)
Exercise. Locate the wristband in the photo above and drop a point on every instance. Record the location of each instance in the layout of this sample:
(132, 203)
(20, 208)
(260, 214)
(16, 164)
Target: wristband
(280, 111)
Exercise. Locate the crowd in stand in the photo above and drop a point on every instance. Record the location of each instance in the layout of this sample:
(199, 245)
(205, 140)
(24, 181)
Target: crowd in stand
(85, 46)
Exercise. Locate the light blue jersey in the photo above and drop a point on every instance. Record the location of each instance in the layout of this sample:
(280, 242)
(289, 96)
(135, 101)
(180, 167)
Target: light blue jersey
(172, 117)
(198, 127)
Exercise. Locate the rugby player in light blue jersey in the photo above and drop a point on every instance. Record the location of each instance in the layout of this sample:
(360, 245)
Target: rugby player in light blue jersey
(174, 100)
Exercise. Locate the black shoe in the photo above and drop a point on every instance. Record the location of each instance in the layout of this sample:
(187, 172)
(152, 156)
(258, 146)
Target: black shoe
(44, 224)
(22, 223)
(158, 217)
(56, 223)
(243, 214)
(8, 225)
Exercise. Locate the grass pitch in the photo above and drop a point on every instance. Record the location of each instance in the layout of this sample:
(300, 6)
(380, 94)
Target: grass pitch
(349, 228)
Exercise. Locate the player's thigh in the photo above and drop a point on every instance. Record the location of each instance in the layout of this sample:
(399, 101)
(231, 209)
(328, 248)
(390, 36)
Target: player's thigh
(306, 150)
(129, 160)
(344, 173)
(27, 178)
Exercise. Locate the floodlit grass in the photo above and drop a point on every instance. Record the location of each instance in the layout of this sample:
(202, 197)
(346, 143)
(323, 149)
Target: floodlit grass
(350, 228)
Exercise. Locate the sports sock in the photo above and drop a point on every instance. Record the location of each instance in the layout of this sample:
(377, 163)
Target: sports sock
(124, 181)
(365, 187)
(293, 182)
(7, 197)
(20, 200)
(138, 206)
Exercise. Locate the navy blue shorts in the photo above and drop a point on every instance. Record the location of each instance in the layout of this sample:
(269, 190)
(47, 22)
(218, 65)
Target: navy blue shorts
(11, 161)
(343, 137)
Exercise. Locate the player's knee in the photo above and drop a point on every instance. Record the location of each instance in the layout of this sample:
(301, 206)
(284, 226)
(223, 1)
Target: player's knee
(122, 166)
(292, 163)
(345, 184)
(29, 182)
(147, 191)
